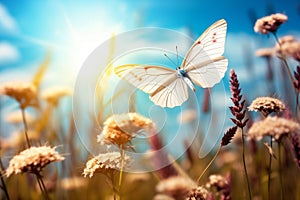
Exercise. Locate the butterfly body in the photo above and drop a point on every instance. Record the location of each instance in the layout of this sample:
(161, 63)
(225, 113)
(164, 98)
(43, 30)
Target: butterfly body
(203, 65)
(181, 73)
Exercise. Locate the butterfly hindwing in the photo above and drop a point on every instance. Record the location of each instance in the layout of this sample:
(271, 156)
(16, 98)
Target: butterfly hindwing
(210, 74)
(173, 95)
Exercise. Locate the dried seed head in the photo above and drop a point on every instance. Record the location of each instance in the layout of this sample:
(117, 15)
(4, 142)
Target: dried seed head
(23, 92)
(272, 126)
(33, 160)
(105, 163)
(289, 46)
(270, 23)
(266, 105)
(121, 129)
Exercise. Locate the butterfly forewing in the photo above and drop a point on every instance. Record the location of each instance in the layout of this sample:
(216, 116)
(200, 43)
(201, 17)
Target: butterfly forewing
(146, 78)
(208, 46)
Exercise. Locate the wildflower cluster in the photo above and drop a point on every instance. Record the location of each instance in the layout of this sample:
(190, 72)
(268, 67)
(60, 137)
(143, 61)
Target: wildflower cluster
(276, 127)
(104, 163)
(25, 93)
(270, 23)
(121, 129)
(33, 160)
(267, 105)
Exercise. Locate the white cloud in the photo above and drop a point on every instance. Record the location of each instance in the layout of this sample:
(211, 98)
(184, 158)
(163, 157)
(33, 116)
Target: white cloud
(8, 53)
(7, 22)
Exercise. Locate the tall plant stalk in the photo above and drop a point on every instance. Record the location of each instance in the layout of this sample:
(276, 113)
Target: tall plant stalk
(121, 170)
(209, 164)
(280, 172)
(239, 120)
(4, 188)
(283, 58)
(42, 185)
(245, 167)
(270, 170)
(25, 127)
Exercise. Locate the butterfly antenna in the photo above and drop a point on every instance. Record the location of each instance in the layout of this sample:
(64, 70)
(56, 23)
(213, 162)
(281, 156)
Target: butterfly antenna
(177, 56)
(169, 59)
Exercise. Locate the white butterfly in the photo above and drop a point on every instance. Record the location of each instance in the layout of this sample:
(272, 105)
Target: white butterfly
(203, 65)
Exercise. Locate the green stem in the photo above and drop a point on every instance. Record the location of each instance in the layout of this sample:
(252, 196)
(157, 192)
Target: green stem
(269, 171)
(209, 164)
(280, 172)
(245, 168)
(25, 127)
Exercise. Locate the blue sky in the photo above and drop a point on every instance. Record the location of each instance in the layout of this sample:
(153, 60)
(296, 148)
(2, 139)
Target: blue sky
(36, 25)
(72, 29)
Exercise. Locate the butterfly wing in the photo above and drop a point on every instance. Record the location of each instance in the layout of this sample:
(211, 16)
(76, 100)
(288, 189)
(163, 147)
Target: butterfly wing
(208, 46)
(159, 82)
(204, 62)
(173, 95)
(210, 74)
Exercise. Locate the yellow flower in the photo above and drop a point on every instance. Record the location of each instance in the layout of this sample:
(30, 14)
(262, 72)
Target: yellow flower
(33, 159)
(23, 92)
